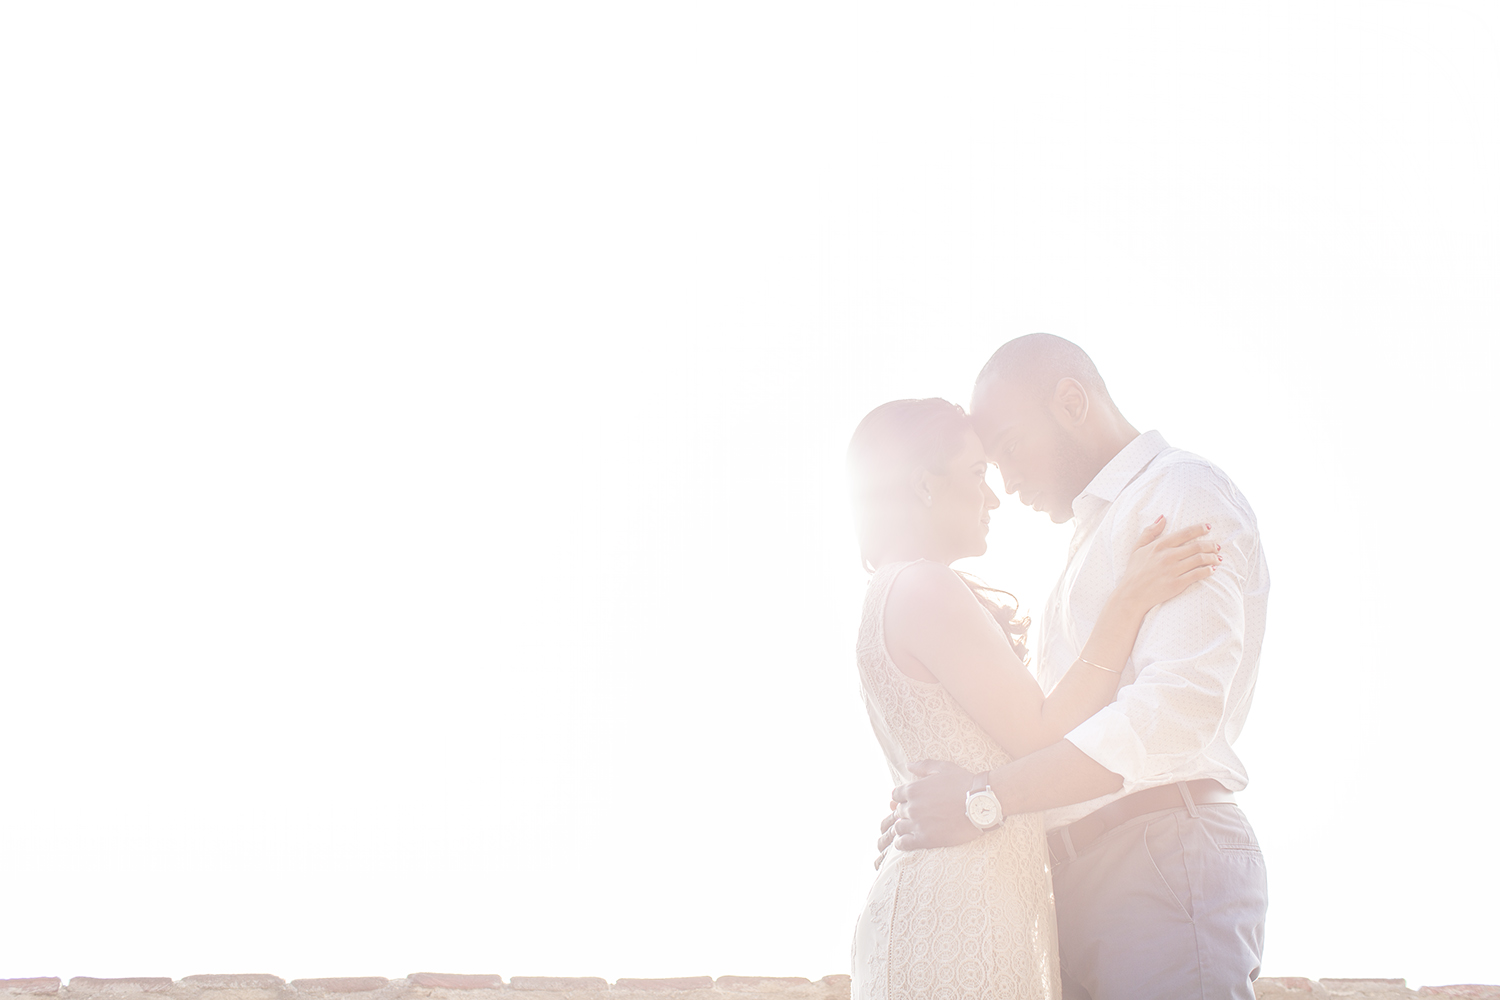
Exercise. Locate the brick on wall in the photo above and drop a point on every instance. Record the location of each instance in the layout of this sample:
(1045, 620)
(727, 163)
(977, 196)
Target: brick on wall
(465, 986)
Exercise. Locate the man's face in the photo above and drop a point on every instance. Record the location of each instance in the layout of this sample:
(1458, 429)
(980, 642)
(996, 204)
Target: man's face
(1037, 456)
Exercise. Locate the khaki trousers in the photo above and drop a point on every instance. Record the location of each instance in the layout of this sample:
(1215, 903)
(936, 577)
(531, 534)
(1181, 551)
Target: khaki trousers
(1169, 906)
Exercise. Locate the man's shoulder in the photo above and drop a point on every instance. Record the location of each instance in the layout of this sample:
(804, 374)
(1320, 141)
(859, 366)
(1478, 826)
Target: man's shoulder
(1181, 480)
(1176, 468)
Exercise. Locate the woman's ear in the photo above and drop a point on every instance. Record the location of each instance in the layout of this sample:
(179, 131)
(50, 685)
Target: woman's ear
(922, 487)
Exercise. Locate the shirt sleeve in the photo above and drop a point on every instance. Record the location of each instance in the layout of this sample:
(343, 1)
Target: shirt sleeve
(1182, 669)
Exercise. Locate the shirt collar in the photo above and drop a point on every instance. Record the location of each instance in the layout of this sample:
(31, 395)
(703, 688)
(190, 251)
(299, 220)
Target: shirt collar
(1115, 476)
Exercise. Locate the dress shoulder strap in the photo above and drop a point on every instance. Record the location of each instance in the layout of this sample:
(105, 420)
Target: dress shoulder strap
(872, 626)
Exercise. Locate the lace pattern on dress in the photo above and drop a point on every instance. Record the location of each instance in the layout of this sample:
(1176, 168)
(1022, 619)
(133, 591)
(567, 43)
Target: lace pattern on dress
(973, 922)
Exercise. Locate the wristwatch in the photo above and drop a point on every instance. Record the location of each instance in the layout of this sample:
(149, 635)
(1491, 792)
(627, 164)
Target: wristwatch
(981, 804)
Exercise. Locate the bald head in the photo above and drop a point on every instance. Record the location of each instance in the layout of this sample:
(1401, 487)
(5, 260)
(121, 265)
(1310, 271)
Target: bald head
(1035, 363)
(1046, 420)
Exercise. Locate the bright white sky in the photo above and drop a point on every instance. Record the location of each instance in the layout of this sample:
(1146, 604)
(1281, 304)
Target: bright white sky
(426, 543)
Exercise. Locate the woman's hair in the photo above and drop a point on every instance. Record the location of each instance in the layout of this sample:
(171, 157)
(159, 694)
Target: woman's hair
(889, 446)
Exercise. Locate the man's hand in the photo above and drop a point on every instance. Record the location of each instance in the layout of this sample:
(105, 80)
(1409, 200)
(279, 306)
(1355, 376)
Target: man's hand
(886, 834)
(929, 812)
(883, 843)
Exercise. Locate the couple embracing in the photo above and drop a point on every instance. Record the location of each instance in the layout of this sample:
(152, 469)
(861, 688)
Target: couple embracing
(1105, 783)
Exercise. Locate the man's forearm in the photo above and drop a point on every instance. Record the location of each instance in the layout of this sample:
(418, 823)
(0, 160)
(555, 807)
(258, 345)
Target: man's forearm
(1059, 775)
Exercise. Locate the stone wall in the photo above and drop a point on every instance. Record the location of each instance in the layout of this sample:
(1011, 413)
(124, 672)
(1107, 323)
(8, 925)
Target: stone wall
(448, 986)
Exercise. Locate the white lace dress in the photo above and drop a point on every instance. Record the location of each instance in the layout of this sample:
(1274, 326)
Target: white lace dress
(973, 922)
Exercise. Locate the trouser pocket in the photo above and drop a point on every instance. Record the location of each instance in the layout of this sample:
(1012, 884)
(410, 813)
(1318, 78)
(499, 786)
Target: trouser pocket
(1162, 841)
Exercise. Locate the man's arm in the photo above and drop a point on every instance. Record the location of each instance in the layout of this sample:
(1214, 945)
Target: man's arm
(1057, 776)
(930, 811)
(1186, 658)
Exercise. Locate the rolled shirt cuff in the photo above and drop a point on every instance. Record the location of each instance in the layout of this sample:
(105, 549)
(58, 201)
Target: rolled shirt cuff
(1109, 739)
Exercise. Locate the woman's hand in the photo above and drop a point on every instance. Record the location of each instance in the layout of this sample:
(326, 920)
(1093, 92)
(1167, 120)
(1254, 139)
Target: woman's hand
(1163, 566)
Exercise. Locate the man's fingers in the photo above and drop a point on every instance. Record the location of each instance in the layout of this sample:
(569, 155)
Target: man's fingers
(885, 824)
(927, 768)
(898, 794)
(894, 835)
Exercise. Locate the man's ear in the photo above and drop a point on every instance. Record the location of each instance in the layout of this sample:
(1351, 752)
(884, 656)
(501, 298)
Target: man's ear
(1070, 403)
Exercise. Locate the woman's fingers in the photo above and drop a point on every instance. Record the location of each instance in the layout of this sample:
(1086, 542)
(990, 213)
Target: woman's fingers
(1170, 563)
(1152, 532)
(1185, 535)
(1193, 557)
(1177, 584)
(1197, 571)
(1192, 576)
(1187, 545)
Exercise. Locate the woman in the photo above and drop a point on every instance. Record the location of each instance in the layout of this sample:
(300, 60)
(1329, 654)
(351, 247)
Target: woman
(942, 672)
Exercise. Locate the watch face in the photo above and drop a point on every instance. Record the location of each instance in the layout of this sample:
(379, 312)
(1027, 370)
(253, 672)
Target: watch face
(983, 809)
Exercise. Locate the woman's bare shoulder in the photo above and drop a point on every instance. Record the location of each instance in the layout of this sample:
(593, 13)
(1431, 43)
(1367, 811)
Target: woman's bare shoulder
(929, 595)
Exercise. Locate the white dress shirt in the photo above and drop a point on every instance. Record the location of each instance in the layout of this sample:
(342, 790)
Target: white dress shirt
(1187, 686)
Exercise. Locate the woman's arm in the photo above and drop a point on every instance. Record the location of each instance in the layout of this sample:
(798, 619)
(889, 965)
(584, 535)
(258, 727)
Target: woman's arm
(937, 630)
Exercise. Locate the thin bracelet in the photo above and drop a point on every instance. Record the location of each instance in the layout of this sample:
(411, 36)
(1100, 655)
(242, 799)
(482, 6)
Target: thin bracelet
(1099, 665)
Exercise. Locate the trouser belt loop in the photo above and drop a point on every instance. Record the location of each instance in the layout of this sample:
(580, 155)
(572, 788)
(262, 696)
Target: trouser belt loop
(1067, 839)
(1187, 799)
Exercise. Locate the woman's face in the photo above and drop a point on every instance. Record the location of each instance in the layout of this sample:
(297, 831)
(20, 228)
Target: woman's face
(961, 502)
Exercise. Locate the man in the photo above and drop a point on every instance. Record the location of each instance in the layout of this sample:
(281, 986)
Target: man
(1159, 881)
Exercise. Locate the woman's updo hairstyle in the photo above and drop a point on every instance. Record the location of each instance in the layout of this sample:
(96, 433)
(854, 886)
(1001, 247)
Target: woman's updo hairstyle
(891, 444)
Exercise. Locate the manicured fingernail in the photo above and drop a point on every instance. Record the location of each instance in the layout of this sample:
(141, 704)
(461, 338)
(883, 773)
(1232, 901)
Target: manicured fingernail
(1208, 527)
(1219, 548)
(1160, 519)
(1221, 559)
